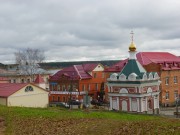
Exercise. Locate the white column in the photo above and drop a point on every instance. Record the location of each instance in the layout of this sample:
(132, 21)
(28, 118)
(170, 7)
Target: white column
(146, 104)
(117, 103)
(138, 109)
(130, 104)
(154, 102)
(110, 100)
(142, 103)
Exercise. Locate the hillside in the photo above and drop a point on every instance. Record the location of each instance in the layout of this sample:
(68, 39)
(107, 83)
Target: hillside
(59, 65)
(59, 121)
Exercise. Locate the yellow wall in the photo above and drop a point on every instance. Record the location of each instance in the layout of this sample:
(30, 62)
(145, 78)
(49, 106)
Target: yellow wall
(35, 98)
(3, 101)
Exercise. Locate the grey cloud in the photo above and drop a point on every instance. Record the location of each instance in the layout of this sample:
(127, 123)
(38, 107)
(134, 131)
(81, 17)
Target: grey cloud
(87, 29)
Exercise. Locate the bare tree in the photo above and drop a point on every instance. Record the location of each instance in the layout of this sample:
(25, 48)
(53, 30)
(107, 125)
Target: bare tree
(28, 60)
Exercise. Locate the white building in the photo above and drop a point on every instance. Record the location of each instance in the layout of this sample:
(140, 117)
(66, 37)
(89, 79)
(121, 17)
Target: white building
(23, 94)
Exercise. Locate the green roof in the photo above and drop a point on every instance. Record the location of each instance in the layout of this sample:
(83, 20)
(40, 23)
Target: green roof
(133, 66)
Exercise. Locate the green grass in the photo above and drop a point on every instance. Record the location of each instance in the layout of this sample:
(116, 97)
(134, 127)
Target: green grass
(61, 113)
(60, 119)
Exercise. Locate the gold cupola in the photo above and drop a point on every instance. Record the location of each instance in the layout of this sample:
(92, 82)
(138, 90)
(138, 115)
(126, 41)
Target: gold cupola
(132, 46)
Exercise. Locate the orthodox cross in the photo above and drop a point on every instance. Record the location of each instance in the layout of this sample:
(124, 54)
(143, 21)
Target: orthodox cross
(132, 34)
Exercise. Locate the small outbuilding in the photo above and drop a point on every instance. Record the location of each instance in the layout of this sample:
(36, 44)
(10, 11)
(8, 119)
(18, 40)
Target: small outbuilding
(23, 94)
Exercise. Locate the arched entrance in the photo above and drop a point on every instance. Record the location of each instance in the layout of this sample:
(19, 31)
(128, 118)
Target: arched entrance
(149, 104)
(124, 105)
(134, 106)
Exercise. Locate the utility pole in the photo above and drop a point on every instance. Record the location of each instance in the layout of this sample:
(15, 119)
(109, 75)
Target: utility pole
(70, 91)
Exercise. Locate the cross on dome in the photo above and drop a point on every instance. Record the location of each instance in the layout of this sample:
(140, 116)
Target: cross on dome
(132, 34)
(132, 46)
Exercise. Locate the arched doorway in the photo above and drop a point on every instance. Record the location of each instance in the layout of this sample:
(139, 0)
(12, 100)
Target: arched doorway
(150, 104)
(124, 105)
(134, 106)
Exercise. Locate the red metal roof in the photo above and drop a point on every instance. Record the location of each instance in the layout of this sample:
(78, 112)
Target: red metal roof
(39, 79)
(156, 57)
(117, 67)
(7, 89)
(89, 67)
(75, 72)
(167, 60)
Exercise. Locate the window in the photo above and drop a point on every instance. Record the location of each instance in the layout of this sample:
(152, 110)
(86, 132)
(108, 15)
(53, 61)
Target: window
(167, 80)
(175, 80)
(58, 99)
(14, 80)
(69, 87)
(28, 80)
(58, 87)
(88, 87)
(64, 99)
(63, 87)
(53, 98)
(74, 87)
(22, 80)
(95, 75)
(175, 94)
(167, 95)
(83, 87)
(53, 87)
(47, 80)
(28, 88)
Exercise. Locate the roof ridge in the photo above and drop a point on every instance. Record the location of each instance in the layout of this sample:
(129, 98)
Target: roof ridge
(77, 71)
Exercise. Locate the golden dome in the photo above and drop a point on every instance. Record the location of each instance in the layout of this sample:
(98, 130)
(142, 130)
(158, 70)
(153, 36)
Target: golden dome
(132, 47)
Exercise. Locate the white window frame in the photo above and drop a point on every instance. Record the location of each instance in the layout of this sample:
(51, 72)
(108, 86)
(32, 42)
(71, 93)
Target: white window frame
(167, 80)
(167, 95)
(175, 79)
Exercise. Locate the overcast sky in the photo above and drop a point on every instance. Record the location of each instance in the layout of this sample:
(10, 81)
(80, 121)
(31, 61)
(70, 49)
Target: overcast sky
(76, 30)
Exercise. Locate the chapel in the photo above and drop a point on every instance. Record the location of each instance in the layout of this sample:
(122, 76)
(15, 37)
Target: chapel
(134, 89)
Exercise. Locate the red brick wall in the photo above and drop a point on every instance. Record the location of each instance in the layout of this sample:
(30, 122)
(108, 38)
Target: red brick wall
(171, 87)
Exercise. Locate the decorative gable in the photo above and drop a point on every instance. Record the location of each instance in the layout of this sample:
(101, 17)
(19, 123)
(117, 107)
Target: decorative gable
(156, 76)
(122, 77)
(150, 76)
(132, 77)
(113, 77)
(145, 76)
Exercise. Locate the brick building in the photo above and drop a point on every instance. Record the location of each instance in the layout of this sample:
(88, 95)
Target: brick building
(76, 81)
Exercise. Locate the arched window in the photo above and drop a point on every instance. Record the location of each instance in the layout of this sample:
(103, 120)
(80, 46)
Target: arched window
(123, 90)
(149, 90)
(28, 88)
